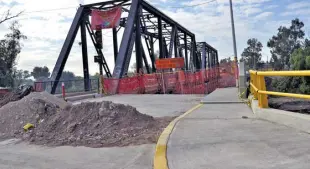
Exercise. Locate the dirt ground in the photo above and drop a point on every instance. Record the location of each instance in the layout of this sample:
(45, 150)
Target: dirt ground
(285, 103)
(97, 124)
(290, 104)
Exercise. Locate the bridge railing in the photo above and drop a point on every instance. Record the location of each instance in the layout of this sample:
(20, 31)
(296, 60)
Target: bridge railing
(71, 86)
(258, 85)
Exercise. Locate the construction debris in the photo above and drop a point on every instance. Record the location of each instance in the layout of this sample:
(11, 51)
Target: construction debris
(17, 94)
(58, 123)
(9, 97)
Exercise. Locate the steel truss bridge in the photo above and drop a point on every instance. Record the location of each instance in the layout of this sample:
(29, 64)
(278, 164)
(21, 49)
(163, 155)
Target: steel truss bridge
(145, 23)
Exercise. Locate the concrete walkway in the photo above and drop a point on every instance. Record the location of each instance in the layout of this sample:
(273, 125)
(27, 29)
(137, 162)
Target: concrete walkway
(228, 136)
(222, 96)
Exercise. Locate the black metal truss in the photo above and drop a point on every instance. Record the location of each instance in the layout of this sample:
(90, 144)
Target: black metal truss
(146, 22)
(209, 55)
(157, 26)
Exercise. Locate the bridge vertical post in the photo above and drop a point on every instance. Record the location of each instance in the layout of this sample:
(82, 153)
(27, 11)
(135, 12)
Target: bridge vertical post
(186, 54)
(115, 45)
(262, 98)
(121, 59)
(85, 56)
(165, 48)
(152, 54)
(160, 38)
(139, 63)
(176, 46)
(204, 56)
(209, 65)
(172, 42)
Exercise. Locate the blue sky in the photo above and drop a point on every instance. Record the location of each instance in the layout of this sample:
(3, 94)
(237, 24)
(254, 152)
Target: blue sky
(259, 19)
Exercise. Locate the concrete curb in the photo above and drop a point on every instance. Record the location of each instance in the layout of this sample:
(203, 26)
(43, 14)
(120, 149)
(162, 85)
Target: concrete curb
(295, 120)
(160, 158)
(224, 102)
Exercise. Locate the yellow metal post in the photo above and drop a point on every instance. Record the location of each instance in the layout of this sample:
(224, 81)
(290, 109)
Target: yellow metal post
(255, 84)
(262, 98)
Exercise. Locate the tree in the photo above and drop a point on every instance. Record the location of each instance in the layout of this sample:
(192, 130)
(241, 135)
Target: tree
(67, 75)
(225, 60)
(300, 60)
(252, 54)
(68, 78)
(10, 47)
(7, 15)
(21, 77)
(307, 43)
(40, 73)
(95, 76)
(284, 43)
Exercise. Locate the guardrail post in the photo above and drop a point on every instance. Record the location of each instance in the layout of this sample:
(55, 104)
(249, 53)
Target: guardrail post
(254, 81)
(262, 98)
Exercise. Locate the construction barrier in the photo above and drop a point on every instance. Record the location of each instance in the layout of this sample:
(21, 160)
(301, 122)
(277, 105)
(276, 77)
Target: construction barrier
(150, 83)
(178, 82)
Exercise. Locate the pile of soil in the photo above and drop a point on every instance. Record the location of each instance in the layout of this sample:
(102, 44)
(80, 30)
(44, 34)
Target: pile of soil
(88, 124)
(9, 97)
(290, 104)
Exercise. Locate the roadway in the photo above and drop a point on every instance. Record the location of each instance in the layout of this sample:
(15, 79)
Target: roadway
(228, 135)
(223, 133)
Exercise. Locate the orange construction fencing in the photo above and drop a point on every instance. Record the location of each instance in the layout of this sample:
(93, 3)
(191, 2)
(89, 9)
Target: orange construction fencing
(178, 82)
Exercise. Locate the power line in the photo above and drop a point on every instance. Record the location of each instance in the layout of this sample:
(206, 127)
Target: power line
(48, 10)
(56, 9)
(189, 6)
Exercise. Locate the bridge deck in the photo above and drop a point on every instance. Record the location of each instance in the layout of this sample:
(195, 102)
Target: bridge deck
(222, 96)
(216, 136)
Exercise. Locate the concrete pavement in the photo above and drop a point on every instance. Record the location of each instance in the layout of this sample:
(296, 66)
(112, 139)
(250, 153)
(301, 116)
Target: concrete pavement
(157, 105)
(222, 96)
(24, 156)
(222, 136)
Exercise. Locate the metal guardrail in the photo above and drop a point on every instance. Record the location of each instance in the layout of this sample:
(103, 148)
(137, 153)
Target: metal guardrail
(258, 86)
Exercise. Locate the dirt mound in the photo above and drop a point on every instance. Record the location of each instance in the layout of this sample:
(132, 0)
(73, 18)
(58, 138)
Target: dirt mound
(9, 97)
(88, 124)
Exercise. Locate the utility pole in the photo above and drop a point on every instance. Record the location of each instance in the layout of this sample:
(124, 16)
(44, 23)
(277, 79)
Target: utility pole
(233, 29)
(234, 41)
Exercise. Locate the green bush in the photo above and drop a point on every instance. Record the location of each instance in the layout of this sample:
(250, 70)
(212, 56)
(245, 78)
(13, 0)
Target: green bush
(287, 84)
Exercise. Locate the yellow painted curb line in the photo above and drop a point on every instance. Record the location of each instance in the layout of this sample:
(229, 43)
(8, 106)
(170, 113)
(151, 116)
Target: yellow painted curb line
(160, 158)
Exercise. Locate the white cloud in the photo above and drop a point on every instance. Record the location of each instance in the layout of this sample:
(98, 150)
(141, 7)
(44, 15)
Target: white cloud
(298, 5)
(271, 6)
(211, 23)
(296, 12)
(263, 15)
